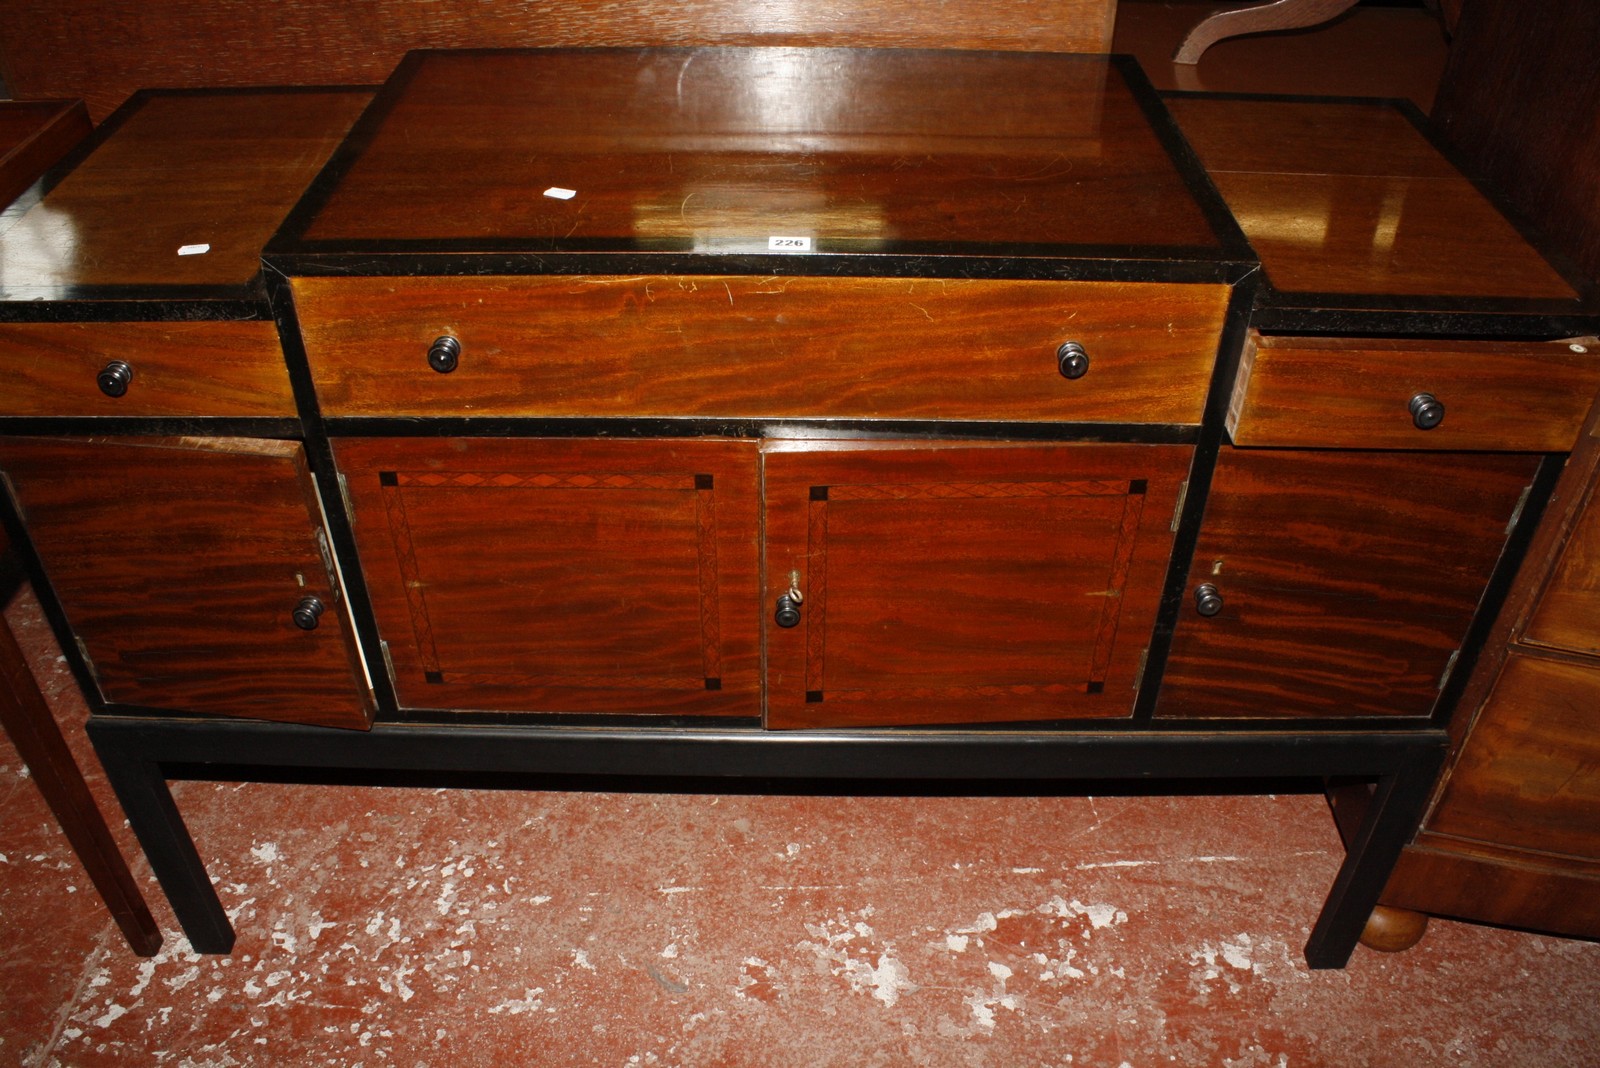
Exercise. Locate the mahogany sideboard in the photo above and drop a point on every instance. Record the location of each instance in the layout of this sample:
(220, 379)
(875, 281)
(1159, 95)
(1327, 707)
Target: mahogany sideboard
(773, 412)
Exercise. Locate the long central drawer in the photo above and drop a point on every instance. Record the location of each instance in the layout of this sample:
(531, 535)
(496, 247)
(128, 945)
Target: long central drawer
(761, 347)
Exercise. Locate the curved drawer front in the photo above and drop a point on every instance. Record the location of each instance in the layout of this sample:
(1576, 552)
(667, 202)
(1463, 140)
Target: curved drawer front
(1514, 396)
(228, 369)
(742, 346)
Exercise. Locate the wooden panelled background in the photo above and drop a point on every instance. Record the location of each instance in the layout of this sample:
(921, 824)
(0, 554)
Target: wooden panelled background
(102, 50)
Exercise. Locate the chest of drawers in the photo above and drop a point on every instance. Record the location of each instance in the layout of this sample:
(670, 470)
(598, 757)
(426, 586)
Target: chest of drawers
(789, 413)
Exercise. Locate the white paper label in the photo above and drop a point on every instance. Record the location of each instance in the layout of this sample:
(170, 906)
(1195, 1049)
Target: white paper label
(557, 193)
(193, 250)
(788, 244)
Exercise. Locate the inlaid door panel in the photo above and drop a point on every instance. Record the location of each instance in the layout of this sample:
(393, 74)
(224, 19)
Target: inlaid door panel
(1346, 581)
(562, 576)
(946, 583)
(194, 574)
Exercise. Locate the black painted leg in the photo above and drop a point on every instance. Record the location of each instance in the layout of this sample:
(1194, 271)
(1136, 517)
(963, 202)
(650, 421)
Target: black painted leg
(1392, 815)
(148, 804)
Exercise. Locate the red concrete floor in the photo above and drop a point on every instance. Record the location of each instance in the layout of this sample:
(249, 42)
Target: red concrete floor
(403, 926)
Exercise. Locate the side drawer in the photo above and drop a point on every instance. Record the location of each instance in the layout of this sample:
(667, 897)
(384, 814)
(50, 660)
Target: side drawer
(740, 346)
(1514, 396)
(230, 369)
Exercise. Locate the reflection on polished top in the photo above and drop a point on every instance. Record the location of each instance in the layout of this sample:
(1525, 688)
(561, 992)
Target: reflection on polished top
(184, 171)
(718, 150)
(1350, 198)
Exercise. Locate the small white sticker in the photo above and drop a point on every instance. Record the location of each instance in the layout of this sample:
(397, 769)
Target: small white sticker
(557, 193)
(788, 244)
(193, 250)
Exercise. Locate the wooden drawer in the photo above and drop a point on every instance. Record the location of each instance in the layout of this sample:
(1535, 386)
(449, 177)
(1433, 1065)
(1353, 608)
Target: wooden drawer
(761, 347)
(1358, 392)
(196, 368)
(1529, 775)
(1567, 616)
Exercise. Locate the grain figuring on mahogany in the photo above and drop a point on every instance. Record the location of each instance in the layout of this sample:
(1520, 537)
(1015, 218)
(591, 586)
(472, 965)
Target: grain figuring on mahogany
(223, 369)
(1354, 393)
(1567, 616)
(179, 563)
(947, 583)
(1520, 98)
(562, 576)
(1530, 777)
(1334, 204)
(104, 49)
(1348, 580)
(761, 347)
(216, 169)
(716, 150)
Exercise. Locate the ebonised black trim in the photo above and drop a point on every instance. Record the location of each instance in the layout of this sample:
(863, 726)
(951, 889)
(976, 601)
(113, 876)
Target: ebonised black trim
(757, 429)
(147, 426)
(1499, 585)
(133, 304)
(338, 522)
(1202, 468)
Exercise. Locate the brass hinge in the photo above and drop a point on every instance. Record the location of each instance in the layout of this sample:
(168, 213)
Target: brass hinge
(1177, 511)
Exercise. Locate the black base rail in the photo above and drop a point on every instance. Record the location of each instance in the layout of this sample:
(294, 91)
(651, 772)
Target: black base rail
(140, 755)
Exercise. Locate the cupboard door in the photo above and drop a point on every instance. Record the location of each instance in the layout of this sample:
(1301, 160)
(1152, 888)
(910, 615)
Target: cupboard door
(945, 583)
(187, 568)
(562, 576)
(1347, 580)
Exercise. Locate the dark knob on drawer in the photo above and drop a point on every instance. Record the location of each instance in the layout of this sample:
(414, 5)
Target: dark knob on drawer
(1427, 411)
(1072, 359)
(308, 611)
(114, 379)
(1207, 601)
(445, 354)
(788, 613)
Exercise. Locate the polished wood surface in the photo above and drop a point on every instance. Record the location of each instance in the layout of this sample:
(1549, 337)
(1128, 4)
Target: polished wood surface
(219, 170)
(33, 135)
(1355, 393)
(716, 150)
(1520, 98)
(104, 49)
(1335, 204)
(774, 347)
(562, 576)
(1511, 837)
(1348, 580)
(179, 563)
(1447, 877)
(32, 728)
(1530, 778)
(949, 583)
(1567, 617)
(179, 369)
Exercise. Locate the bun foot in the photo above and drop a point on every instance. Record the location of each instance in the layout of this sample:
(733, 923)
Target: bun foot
(1391, 930)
